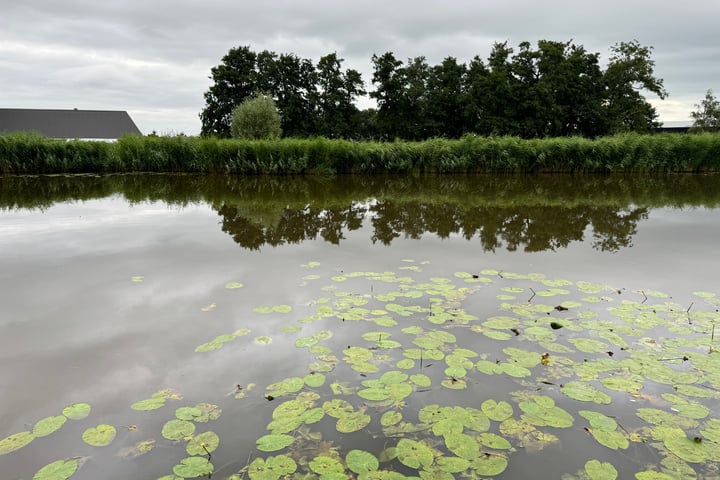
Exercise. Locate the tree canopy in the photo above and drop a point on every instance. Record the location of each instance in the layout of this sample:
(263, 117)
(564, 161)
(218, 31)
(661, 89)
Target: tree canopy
(707, 116)
(551, 89)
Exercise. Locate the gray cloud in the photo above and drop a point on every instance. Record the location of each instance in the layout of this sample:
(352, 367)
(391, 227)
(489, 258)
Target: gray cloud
(153, 58)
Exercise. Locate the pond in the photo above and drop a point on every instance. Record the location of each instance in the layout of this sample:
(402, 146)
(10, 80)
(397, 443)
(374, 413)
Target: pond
(180, 326)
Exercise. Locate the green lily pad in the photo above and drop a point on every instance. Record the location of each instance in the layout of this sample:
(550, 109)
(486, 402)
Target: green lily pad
(585, 392)
(414, 454)
(360, 461)
(390, 417)
(177, 429)
(58, 470)
(274, 442)
(188, 413)
(352, 422)
(48, 425)
(193, 467)
(99, 436)
(203, 444)
(15, 442)
(148, 404)
(462, 445)
(76, 411)
(497, 411)
(325, 465)
(452, 464)
(234, 285)
(598, 470)
(314, 380)
(489, 465)
(271, 468)
(494, 441)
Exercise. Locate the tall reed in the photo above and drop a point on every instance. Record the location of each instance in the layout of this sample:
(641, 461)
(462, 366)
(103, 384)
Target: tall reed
(627, 153)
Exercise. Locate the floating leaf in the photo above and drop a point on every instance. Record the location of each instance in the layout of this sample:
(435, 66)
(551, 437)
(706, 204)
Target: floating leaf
(360, 461)
(203, 444)
(234, 285)
(489, 465)
(76, 411)
(325, 466)
(263, 340)
(188, 413)
(452, 464)
(58, 470)
(390, 417)
(314, 380)
(597, 470)
(462, 445)
(274, 442)
(497, 411)
(48, 425)
(137, 278)
(99, 436)
(271, 468)
(585, 392)
(352, 422)
(15, 442)
(176, 429)
(193, 467)
(148, 404)
(414, 454)
(492, 440)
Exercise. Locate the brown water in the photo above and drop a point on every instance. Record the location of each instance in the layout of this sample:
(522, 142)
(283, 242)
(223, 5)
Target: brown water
(75, 327)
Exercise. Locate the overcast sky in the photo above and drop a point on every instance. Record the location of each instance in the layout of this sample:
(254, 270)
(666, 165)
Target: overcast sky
(153, 57)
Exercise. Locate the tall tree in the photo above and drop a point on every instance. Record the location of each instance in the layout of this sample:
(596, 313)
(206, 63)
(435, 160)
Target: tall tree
(630, 71)
(707, 116)
(389, 80)
(233, 82)
(446, 99)
(336, 96)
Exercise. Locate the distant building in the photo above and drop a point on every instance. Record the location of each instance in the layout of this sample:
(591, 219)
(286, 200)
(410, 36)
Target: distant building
(675, 127)
(68, 124)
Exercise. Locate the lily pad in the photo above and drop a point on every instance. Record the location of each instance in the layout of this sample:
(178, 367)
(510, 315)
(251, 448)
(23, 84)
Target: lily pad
(360, 461)
(58, 470)
(76, 411)
(99, 436)
(48, 425)
(271, 468)
(177, 429)
(203, 444)
(234, 285)
(598, 470)
(274, 442)
(15, 442)
(414, 454)
(148, 404)
(193, 467)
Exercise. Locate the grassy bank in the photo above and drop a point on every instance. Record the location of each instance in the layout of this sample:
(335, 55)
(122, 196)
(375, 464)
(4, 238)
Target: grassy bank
(32, 154)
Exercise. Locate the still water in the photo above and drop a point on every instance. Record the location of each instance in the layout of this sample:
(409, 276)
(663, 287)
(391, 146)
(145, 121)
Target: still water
(109, 286)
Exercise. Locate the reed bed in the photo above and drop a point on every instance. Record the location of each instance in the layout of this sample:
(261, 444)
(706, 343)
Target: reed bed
(627, 153)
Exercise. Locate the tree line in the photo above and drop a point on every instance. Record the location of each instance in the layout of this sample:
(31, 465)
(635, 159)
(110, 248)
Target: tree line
(548, 90)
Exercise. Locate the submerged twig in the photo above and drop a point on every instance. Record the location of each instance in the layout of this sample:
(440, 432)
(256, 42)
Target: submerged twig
(643, 293)
(533, 295)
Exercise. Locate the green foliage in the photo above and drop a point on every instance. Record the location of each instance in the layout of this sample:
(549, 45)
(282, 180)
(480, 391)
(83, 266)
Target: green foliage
(256, 118)
(707, 116)
(625, 153)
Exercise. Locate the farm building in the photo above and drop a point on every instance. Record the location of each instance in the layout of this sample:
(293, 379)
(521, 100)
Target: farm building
(68, 124)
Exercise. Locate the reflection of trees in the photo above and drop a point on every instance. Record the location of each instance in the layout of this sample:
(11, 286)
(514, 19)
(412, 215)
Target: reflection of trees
(291, 226)
(538, 228)
(532, 213)
(533, 228)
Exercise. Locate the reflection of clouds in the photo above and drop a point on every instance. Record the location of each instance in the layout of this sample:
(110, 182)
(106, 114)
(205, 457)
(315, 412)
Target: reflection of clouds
(107, 385)
(86, 217)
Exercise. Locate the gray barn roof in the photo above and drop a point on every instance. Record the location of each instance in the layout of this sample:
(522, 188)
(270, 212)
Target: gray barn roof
(99, 124)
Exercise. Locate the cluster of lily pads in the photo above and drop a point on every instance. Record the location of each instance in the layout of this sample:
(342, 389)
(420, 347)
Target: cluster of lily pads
(460, 376)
